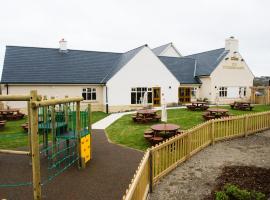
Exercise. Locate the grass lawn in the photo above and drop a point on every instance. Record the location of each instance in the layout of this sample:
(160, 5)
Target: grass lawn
(13, 136)
(124, 131)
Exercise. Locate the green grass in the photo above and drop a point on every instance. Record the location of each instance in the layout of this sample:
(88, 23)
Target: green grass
(98, 116)
(13, 136)
(124, 131)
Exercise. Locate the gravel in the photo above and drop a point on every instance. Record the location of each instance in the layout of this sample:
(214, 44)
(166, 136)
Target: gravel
(196, 178)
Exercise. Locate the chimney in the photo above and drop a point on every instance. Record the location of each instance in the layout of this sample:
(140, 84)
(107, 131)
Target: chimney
(63, 46)
(231, 44)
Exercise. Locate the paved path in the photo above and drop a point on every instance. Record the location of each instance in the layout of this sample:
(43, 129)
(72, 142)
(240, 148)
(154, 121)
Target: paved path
(105, 178)
(107, 121)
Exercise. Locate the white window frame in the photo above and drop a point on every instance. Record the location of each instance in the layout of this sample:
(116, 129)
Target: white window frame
(245, 91)
(90, 94)
(141, 91)
(223, 92)
(194, 91)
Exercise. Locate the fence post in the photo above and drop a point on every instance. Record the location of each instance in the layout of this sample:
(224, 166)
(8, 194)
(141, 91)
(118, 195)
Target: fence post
(53, 121)
(150, 171)
(29, 128)
(66, 111)
(35, 147)
(90, 128)
(246, 125)
(212, 132)
(188, 144)
(78, 131)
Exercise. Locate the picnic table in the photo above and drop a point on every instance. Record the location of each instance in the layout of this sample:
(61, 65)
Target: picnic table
(147, 115)
(2, 123)
(239, 105)
(11, 114)
(197, 105)
(214, 113)
(160, 132)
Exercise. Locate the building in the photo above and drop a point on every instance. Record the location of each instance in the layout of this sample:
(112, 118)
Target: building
(119, 81)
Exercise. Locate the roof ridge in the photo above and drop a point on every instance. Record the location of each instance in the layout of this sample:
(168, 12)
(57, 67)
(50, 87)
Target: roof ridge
(178, 57)
(205, 52)
(58, 48)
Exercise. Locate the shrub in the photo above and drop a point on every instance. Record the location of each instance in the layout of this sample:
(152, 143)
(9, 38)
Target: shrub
(221, 196)
(232, 192)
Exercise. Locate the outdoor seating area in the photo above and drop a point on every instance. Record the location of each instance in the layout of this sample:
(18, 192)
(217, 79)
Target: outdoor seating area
(161, 132)
(145, 116)
(237, 105)
(216, 113)
(11, 114)
(2, 123)
(198, 105)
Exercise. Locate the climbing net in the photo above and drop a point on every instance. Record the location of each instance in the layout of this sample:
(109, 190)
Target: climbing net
(60, 132)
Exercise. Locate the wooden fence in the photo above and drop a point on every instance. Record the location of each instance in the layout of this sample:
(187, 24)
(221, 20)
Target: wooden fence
(161, 159)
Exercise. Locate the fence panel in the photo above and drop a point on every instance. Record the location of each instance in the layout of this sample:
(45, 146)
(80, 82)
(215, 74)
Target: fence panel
(200, 137)
(140, 184)
(169, 154)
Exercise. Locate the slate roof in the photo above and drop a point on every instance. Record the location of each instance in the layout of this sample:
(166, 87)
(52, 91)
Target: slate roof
(48, 65)
(182, 68)
(208, 61)
(160, 49)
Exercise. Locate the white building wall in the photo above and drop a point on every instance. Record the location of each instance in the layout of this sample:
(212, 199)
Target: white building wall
(229, 73)
(57, 91)
(144, 70)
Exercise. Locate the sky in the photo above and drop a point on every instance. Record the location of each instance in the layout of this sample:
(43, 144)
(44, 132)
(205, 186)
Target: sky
(120, 25)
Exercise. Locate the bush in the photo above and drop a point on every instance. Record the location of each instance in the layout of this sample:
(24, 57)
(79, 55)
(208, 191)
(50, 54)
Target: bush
(232, 192)
(221, 196)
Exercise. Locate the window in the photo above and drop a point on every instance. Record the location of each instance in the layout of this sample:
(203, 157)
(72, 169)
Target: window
(193, 92)
(242, 91)
(137, 95)
(223, 92)
(89, 93)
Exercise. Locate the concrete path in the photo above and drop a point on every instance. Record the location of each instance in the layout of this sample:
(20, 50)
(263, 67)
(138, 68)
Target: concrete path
(107, 121)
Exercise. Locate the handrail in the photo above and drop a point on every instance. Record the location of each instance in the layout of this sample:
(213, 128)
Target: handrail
(4, 151)
(50, 102)
(17, 98)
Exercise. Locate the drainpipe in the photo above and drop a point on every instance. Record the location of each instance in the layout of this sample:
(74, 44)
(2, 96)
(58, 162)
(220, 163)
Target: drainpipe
(7, 88)
(107, 105)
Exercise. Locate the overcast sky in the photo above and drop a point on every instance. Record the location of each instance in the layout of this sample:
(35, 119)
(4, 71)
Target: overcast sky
(120, 25)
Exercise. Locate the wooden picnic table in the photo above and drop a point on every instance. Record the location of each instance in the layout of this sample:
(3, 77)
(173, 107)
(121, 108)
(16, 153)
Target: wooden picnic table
(9, 111)
(165, 130)
(241, 105)
(11, 114)
(146, 115)
(214, 113)
(198, 105)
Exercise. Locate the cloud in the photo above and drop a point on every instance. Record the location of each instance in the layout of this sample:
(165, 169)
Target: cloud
(122, 25)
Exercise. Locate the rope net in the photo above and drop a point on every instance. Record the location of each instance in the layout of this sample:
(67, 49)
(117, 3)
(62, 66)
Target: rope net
(58, 138)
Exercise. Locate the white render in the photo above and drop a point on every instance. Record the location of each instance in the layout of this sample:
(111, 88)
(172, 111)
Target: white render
(57, 91)
(232, 72)
(144, 70)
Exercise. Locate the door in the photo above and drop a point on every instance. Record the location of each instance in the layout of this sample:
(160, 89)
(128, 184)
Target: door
(184, 95)
(156, 96)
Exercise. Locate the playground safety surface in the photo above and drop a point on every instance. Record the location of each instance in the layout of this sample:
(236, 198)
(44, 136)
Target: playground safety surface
(106, 177)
